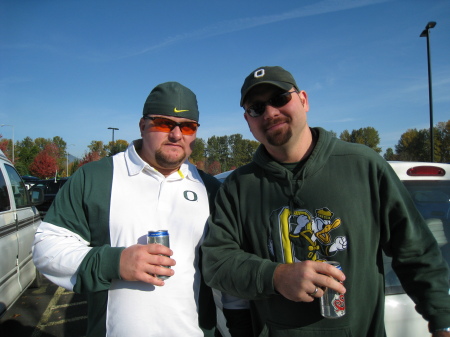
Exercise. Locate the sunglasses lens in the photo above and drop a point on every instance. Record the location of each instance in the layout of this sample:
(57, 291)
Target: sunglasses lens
(256, 109)
(188, 128)
(162, 125)
(280, 100)
(167, 125)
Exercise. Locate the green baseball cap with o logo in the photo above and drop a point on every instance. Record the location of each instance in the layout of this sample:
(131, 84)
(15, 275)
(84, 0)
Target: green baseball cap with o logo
(276, 76)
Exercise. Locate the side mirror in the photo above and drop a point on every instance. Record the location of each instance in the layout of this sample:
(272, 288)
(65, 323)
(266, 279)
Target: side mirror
(36, 195)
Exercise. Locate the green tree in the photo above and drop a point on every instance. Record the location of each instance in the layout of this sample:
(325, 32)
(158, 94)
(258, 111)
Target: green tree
(223, 152)
(198, 151)
(73, 166)
(345, 136)
(213, 150)
(333, 134)
(41, 142)
(237, 151)
(241, 150)
(250, 148)
(442, 137)
(26, 151)
(119, 145)
(389, 154)
(367, 136)
(61, 145)
(98, 147)
(414, 145)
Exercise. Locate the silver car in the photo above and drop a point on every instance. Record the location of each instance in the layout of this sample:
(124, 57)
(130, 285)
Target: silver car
(19, 220)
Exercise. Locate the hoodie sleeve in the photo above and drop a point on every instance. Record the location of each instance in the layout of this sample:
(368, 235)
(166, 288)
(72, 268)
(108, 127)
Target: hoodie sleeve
(224, 254)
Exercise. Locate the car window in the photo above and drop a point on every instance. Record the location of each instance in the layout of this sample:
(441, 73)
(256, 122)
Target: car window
(432, 199)
(19, 190)
(52, 187)
(5, 204)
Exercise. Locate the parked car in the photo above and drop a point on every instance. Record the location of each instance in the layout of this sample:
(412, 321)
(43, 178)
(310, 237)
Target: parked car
(19, 220)
(29, 181)
(222, 176)
(429, 186)
(50, 187)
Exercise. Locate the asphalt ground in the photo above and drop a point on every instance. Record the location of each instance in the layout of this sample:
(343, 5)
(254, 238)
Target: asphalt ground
(51, 311)
(47, 311)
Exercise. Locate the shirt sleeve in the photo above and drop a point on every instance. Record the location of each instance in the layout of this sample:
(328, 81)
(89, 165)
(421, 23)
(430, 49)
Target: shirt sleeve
(72, 247)
(57, 253)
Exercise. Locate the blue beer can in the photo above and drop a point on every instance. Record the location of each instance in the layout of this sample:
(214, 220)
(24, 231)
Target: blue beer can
(160, 237)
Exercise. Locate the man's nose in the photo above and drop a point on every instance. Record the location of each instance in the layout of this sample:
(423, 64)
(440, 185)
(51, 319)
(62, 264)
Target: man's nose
(175, 133)
(270, 112)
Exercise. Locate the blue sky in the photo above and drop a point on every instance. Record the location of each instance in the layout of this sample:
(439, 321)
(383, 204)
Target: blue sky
(74, 68)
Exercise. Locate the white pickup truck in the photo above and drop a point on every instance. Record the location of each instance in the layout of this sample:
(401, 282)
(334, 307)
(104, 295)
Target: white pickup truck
(19, 220)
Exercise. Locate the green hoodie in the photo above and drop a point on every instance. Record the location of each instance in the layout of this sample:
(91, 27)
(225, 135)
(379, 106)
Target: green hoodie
(343, 204)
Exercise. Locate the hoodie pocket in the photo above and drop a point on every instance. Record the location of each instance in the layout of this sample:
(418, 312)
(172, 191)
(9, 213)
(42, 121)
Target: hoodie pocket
(275, 330)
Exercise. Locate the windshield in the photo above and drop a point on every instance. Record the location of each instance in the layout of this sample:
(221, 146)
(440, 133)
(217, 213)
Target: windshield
(432, 199)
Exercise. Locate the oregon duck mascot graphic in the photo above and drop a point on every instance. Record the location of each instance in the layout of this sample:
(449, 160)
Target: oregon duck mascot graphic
(300, 235)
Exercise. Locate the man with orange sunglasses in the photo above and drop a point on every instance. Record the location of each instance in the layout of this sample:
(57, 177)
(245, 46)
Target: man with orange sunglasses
(94, 237)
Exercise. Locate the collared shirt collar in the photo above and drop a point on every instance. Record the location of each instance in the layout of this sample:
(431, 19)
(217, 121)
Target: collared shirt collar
(136, 165)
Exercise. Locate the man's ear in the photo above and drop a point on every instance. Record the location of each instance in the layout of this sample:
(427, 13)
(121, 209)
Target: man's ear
(304, 100)
(142, 125)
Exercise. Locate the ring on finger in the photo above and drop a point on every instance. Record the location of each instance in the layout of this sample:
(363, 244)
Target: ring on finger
(314, 292)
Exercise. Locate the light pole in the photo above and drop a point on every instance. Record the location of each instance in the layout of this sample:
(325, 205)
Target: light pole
(111, 128)
(426, 33)
(12, 139)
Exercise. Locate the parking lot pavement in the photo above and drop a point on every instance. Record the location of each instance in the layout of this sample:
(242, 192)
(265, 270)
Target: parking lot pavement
(47, 311)
(51, 311)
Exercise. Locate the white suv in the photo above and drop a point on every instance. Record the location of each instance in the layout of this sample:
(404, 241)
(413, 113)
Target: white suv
(19, 220)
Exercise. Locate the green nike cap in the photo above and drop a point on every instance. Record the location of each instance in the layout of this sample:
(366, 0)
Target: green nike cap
(172, 99)
(276, 76)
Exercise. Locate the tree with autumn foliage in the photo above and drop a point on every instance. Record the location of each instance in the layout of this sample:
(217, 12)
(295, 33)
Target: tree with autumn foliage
(214, 168)
(90, 156)
(3, 144)
(6, 146)
(45, 164)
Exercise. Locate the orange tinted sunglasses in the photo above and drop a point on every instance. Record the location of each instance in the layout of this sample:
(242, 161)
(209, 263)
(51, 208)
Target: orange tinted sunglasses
(162, 124)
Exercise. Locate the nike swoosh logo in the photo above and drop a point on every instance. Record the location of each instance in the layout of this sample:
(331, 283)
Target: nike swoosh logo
(176, 110)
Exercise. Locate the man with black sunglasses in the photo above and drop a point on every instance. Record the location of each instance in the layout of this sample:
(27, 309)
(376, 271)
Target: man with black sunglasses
(94, 237)
(309, 198)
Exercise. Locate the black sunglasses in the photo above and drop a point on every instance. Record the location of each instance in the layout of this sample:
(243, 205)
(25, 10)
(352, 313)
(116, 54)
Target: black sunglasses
(161, 124)
(277, 101)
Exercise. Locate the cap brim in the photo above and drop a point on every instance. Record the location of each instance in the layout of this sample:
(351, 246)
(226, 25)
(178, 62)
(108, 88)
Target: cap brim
(282, 85)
